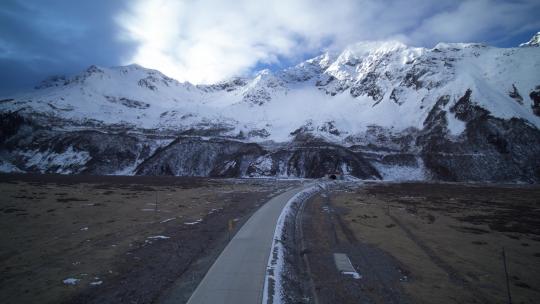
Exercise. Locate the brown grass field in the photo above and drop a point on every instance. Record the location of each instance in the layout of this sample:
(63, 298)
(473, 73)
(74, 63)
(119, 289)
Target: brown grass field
(110, 235)
(448, 238)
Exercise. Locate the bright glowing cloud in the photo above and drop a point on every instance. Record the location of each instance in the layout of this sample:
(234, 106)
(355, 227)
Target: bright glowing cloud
(209, 40)
(204, 41)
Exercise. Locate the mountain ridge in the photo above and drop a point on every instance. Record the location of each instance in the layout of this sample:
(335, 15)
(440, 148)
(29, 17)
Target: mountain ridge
(370, 88)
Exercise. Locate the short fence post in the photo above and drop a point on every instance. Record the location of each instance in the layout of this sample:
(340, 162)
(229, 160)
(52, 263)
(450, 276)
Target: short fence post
(506, 277)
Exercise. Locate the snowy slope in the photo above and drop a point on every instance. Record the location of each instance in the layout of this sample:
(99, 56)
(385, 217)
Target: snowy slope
(535, 41)
(375, 110)
(371, 83)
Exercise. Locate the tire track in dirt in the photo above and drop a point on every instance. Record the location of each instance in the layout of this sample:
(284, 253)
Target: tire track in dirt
(326, 233)
(454, 276)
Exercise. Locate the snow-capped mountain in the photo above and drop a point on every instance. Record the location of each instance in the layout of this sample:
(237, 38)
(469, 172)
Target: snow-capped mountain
(385, 110)
(535, 41)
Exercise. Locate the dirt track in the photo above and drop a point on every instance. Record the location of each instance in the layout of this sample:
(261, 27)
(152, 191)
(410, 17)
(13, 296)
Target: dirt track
(325, 233)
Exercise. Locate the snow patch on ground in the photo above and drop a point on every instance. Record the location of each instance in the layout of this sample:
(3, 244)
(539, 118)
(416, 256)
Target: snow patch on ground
(354, 274)
(168, 220)
(71, 281)
(158, 237)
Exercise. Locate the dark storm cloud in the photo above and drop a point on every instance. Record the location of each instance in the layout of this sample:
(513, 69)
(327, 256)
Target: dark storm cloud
(40, 38)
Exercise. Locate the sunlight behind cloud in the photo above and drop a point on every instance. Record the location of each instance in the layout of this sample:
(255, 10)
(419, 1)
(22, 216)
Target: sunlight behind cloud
(188, 41)
(208, 40)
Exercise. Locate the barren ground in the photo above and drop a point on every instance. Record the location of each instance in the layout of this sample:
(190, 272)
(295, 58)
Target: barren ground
(411, 242)
(426, 243)
(109, 233)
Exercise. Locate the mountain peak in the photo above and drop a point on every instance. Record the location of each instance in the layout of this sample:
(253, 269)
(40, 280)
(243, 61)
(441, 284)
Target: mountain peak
(458, 45)
(94, 69)
(364, 47)
(135, 66)
(535, 41)
(263, 73)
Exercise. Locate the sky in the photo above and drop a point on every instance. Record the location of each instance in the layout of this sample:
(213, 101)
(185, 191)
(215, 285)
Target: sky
(206, 41)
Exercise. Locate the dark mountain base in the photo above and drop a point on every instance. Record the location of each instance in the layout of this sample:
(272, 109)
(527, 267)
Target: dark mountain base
(490, 149)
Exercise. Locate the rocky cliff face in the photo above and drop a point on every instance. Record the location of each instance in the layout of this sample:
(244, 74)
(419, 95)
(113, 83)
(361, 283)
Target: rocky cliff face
(188, 156)
(377, 110)
(490, 149)
(35, 148)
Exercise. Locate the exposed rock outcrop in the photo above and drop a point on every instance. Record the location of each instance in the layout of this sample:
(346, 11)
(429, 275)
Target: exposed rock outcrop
(190, 156)
(227, 158)
(490, 149)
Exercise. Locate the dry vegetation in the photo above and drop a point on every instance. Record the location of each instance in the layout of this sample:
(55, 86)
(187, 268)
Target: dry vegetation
(103, 229)
(449, 238)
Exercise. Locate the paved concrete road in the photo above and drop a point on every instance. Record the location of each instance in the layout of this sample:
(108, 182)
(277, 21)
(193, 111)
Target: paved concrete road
(237, 276)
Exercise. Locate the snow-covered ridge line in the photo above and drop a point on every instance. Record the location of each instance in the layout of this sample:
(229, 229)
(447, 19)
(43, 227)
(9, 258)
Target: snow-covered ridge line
(534, 42)
(459, 112)
(273, 291)
(384, 83)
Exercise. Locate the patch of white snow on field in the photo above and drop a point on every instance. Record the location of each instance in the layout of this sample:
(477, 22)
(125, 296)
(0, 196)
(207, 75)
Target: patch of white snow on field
(96, 283)
(158, 237)
(354, 274)
(193, 223)
(214, 210)
(71, 281)
(168, 220)
(276, 262)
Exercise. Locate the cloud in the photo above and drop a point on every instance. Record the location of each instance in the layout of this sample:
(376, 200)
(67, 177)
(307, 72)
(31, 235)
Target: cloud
(480, 21)
(204, 41)
(209, 40)
(40, 38)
